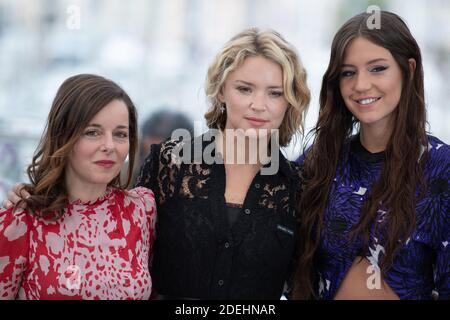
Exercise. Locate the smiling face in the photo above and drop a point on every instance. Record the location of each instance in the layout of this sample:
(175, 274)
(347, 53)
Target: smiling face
(370, 82)
(254, 96)
(100, 152)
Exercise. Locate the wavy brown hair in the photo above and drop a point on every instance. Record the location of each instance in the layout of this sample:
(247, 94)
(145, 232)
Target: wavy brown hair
(77, 101)
(401, 173)
(270, 45)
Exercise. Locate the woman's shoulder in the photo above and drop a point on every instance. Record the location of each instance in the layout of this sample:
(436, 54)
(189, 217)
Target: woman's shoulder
(433, 208)
(438, 160)
(438, 149)
(296, 168)
(140, 192)
(163, 151)
(12, 212)
(170, 152)
(141, 196)
(290, 170)
(15, 222)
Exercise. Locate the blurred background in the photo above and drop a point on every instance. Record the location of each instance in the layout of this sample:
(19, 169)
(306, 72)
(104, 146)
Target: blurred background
(159, 51)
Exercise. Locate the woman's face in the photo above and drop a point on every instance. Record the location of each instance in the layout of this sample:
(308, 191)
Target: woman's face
(254, 96)
(99, 154)
(370, 82)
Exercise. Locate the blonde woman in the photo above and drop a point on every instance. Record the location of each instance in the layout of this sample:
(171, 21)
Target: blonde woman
(226, 229)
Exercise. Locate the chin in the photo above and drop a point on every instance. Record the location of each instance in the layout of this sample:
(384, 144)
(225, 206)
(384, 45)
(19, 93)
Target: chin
(102, 180)
(365, 119)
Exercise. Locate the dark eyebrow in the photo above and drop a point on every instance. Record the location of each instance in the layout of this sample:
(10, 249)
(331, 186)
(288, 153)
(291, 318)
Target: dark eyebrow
(99, 126)
(94, 125)
(370, 62)
(252, 85)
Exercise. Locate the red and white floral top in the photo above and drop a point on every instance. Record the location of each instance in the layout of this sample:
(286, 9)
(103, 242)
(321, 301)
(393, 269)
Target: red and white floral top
(97, 250)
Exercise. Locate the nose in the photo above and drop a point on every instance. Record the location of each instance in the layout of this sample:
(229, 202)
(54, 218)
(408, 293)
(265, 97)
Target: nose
(259, 101)
(108, 143)
(362, 82)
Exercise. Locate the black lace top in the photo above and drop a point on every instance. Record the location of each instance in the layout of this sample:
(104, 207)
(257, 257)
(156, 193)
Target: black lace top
(197, 254)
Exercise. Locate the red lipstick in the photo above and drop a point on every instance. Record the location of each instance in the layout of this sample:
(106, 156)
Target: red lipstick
(105, 163)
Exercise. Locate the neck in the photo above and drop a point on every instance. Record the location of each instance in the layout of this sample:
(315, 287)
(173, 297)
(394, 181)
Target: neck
(375, 137)
(78, 190)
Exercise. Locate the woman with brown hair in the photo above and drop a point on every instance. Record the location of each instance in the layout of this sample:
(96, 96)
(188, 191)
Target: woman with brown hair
(82, 235)
(374, 209)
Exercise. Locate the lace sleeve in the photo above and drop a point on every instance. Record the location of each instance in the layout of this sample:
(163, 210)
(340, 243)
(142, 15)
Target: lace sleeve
(149, 170)
(160, 171)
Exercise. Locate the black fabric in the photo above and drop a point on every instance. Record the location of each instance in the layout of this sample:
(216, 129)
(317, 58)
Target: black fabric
(197, 254)
(357, 147)
(233, 211)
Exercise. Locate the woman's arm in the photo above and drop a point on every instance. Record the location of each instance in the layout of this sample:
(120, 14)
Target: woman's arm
(14, 248)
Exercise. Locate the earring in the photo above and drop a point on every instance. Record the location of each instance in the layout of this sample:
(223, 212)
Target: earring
(222, 108)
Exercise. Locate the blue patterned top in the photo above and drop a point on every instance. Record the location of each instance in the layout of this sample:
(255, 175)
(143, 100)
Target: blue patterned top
(422, 267)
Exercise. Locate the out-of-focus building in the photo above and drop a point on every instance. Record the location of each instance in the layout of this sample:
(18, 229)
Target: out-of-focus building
(159, 51)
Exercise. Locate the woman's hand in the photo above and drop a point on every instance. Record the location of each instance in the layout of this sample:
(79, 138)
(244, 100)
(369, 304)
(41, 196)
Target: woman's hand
(16, 194)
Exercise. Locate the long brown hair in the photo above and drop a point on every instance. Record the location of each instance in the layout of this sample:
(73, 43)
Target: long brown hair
(77, 101)
(401, 173)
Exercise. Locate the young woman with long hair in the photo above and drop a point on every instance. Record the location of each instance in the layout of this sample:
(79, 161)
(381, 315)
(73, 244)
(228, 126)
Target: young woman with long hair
(374, 208)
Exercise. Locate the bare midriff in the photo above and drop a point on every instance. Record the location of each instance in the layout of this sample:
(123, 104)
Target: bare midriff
(362, 282)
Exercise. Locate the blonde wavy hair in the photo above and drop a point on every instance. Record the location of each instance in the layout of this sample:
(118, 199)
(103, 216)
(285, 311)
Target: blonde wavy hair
(270, 45)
